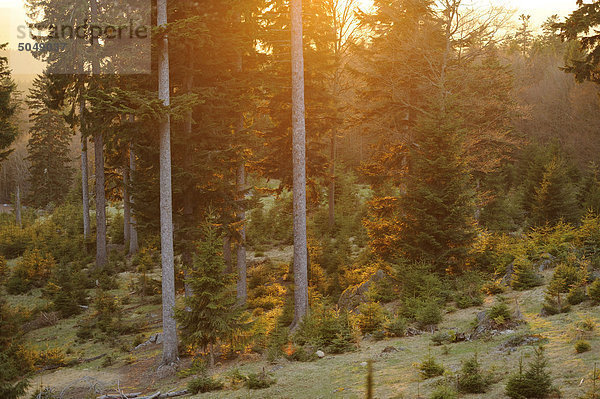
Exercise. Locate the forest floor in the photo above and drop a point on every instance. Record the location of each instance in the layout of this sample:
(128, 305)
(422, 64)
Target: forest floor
(334, 376)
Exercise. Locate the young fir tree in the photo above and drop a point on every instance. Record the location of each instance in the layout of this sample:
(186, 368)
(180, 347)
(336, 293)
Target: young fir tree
(536, 382)
(8, 131)
(14, 364)
(210, 314)
(556, 196)
(438, 205)
(48, 148)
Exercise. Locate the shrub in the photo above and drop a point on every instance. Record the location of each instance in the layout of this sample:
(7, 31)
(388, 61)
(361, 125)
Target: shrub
(582, 346)
(107, 310)
(3, 270)
(594, 291)
(429, 368)
(467, 290)
(524, 276)
(327, 329)
(50, 358)
(429, 314)
(14, 241)
(471, 378)
(33, 270)
(204, 383)
(444, 391)
(493, 287)
(566, 277)
(115, 229)
(535, 383)
(259, 380)
(576, 295)
(443, 337)
(67, 291)
(371, 317)
(587, 324)
(499, 312)
(396, 327)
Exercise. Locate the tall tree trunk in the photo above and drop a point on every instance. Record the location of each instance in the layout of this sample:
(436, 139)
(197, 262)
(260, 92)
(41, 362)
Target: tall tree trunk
(133, 236)
(331, 196)
(242, 290)
(18, 206)
(126, 206)
(85, 193)
(166, 202)
(101, 256)
(299, 166)
(188, 205)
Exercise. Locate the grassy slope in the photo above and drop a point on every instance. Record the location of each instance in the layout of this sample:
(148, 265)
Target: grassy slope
(340, 376)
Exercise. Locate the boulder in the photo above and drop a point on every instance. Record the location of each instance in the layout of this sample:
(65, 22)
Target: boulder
(508, 275)
(320, 354)
(546, 262)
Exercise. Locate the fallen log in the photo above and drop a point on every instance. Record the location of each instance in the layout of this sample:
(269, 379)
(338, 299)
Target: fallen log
(157, 395)
(121, 396)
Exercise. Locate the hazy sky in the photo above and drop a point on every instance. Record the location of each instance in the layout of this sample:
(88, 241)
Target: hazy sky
(12, 14)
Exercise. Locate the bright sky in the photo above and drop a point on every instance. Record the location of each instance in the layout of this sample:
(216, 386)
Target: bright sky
(12, 14)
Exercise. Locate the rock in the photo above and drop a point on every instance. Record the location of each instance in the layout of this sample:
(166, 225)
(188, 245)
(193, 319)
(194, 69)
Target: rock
(355, 295)
(546, 261)
(364, 364)
(320, 354)
(154, 339)
(508, 275)
(411, 331)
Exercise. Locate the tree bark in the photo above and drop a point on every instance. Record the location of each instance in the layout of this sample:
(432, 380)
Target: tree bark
(126, 206)
(242, 290)
(188, 205)
(101, 256)
(133, 236)
(299, 166)
(170, 354)
(18, 206)
(331, 196)
(85, 193)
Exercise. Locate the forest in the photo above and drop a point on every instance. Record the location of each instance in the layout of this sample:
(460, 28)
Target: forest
(301, 199)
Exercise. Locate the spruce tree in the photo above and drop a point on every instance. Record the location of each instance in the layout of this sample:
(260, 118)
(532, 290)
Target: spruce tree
(210, 314)
(48, 147)
(14, 364)
(536, 382)
(437, 208)
(8, 106)
(555, 196)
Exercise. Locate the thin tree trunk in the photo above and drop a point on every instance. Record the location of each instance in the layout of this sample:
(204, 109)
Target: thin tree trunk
(188, 205)
(126, 207)
(85, 193)
(101, 256)
(331, 196)
(18, 206)
(299, 166)
(170, 354)
(242, 291)
(133, 236)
